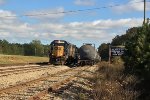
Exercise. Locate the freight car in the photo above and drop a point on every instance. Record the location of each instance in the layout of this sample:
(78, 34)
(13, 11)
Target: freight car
(62, 52)
(88, 55)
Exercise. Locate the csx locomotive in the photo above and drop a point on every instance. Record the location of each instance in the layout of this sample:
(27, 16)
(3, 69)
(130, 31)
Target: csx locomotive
(62, 52)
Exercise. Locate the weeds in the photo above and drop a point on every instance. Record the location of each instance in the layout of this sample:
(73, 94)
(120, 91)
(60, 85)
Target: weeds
(112, 84)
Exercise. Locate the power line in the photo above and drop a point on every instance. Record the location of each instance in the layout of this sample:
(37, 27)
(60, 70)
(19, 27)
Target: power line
(70, 11)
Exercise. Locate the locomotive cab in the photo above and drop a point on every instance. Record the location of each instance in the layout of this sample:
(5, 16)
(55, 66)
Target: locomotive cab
(62, 52)
(57, 50)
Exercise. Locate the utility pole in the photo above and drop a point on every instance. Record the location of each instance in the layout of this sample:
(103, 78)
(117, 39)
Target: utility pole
(144, 11)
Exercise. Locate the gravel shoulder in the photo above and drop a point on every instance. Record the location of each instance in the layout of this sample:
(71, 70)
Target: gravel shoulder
(79, 89)
(14, 79)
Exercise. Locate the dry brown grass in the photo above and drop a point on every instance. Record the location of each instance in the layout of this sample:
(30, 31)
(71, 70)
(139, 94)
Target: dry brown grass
(112, 84)
(17, 59)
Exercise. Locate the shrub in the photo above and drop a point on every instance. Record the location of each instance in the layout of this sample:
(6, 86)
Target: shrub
(112, 84)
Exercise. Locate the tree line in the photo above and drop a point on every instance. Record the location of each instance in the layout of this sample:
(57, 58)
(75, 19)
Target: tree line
(137, 44)
(137, 56)
(34, 48)
(121, 40)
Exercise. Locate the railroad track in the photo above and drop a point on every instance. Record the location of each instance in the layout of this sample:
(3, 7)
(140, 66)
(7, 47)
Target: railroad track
(36, 89)
(23, 69)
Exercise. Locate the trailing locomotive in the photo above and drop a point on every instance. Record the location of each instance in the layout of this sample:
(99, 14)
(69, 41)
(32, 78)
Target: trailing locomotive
(62, 52)
(88, 55)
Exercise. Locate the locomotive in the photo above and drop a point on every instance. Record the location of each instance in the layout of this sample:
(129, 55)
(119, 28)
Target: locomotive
(88, 55)
(62, 52)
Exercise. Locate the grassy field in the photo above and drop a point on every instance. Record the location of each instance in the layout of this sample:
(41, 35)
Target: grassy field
(17, 59)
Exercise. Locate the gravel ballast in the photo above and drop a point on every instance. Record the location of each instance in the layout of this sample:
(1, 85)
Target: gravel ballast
(14, 79)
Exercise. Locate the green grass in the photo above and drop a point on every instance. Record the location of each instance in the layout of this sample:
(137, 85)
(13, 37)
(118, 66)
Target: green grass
(18, 59)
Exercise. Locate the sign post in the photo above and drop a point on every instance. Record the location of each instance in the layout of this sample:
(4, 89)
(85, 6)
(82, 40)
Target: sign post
(109, 53)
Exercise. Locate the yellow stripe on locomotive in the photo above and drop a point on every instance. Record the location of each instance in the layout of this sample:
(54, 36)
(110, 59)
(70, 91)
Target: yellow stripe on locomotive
(58, 51)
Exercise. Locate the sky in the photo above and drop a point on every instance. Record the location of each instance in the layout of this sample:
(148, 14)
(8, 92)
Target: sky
(76, 21)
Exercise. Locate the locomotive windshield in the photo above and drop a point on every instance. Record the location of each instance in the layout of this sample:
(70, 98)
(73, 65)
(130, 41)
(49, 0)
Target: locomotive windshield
(59, 44)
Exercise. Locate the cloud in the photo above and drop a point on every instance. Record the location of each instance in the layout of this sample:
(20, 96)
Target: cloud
(6, 15)
(51, 14)
(85, 2)
(11, 27)
(99, 30)
(133, 5)
(95, 30)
